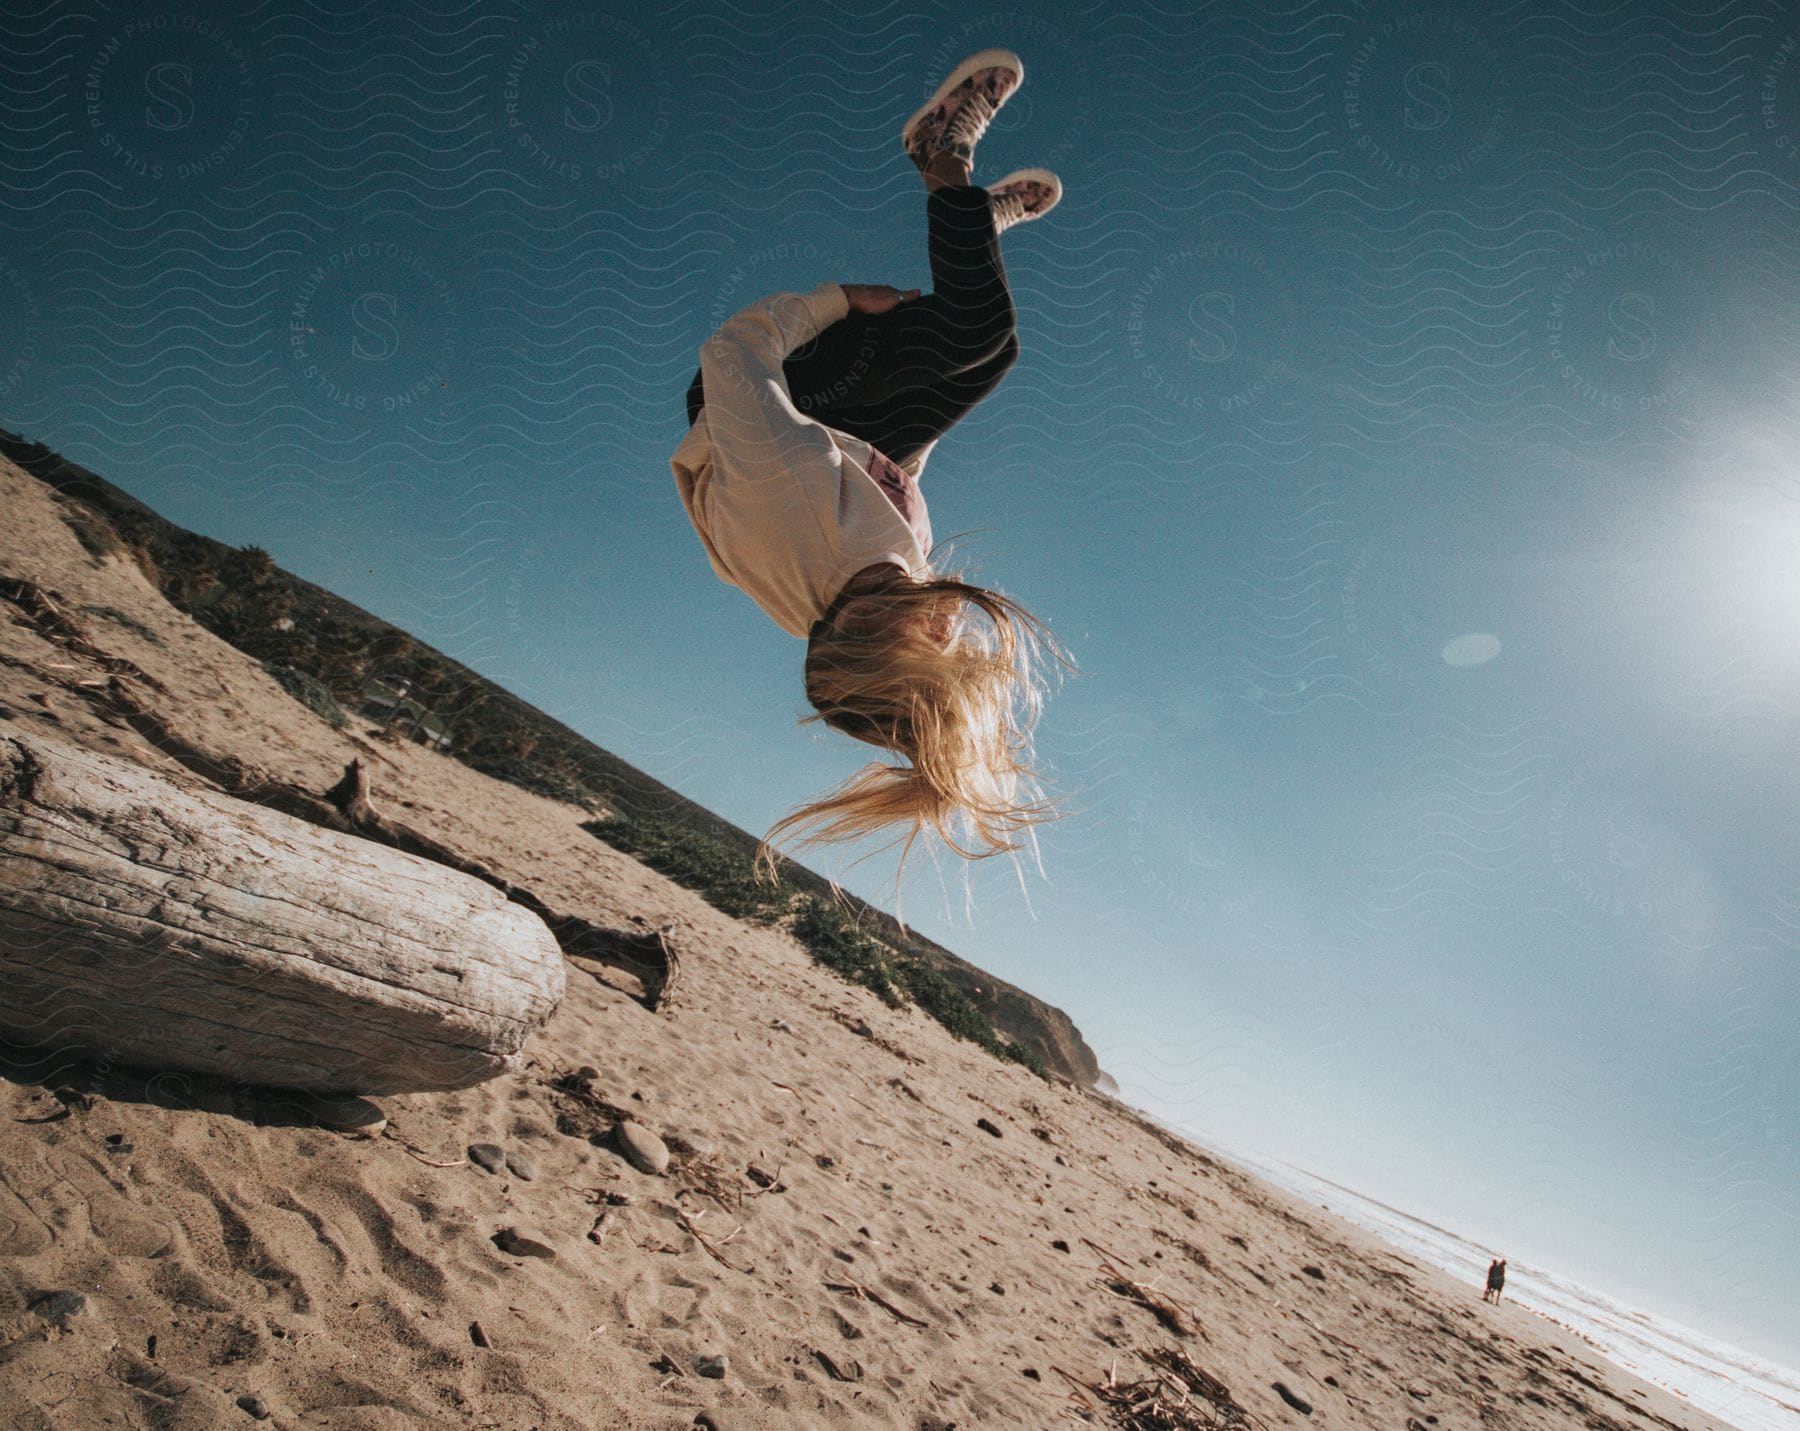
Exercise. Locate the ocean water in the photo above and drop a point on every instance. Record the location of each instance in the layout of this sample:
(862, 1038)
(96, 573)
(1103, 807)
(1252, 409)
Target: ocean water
(1725, 1381)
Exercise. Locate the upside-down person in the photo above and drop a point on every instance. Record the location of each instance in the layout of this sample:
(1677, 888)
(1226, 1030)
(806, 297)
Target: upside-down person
(811, 419)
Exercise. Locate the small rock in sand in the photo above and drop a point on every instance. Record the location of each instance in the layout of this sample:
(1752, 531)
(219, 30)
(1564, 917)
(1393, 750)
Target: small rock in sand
(489, 1157)
(1312, 1271)
(255, 1406)
(1302, 1406)
(987, 1127)
(523, 1241)
(642, 1149)
(714, 1367)
(56, 1306)
(521, 1166)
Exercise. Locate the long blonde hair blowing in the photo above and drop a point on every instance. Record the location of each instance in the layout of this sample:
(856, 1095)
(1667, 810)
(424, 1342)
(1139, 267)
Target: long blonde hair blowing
(961, 710)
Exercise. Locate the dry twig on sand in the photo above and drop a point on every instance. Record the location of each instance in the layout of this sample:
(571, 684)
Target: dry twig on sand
(712, 1250)
(1170, 1313)
(1177, 1396)
(856, 1289)
(702, 1173)
(418, 1152)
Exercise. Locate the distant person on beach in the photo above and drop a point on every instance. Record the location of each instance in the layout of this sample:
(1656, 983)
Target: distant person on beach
(810, 420)
(1496, 1280)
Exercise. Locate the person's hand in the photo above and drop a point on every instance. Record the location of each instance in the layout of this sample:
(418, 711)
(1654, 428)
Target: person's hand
(876, 297)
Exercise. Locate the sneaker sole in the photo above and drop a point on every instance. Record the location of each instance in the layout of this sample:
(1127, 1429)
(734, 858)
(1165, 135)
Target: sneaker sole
(1040, 176)
(987, 59)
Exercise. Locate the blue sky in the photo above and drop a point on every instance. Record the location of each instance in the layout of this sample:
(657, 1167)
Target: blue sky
(1403, 442)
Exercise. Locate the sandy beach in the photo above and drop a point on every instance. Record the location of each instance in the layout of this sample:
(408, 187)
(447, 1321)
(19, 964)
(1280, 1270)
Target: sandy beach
(863, 1221)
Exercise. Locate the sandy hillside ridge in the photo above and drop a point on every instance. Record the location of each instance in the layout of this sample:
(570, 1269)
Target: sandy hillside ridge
(872, 1223)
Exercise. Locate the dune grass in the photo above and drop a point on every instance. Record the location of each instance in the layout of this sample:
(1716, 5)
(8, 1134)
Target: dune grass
(726, 878)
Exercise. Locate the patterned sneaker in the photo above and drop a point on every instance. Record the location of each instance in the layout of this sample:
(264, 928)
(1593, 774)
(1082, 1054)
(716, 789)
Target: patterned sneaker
(1022, 195)
(954, 119)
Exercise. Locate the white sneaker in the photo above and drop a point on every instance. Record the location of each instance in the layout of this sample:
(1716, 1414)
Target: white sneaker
(1023, 195)
(954, 119)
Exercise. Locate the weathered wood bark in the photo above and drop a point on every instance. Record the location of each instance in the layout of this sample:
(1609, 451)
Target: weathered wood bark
(652, 960)
(180, 928)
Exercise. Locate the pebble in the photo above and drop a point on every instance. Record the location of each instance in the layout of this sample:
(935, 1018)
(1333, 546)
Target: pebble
(255, 1406)
(1293, 1400)
(642, 1149)
(55, 1306)
(478, 1335)
(523, 1241)
(521, 1166)
(713, 1367)
(489, 1157)
(987, 1127)
(347, 1115)
(1312, 1271)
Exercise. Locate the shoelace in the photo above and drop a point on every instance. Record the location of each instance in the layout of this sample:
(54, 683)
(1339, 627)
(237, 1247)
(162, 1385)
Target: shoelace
(1012, 207)
(1008, 210)
(971, 121)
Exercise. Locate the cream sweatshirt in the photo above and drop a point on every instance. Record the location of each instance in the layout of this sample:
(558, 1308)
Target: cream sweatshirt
(784, 505)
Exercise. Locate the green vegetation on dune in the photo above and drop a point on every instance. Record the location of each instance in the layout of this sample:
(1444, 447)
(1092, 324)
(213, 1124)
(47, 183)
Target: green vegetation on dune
(824, 925)
(326, 652)
(726, 877)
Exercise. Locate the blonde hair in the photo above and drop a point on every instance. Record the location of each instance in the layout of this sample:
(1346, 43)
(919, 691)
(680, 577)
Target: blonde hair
(948, 675)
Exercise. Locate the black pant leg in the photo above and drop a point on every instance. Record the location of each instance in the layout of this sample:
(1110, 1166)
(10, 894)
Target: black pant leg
(867, 362)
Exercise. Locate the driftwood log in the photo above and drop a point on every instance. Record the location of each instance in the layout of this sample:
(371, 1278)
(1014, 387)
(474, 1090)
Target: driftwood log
(181, 928)
(649, 957)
